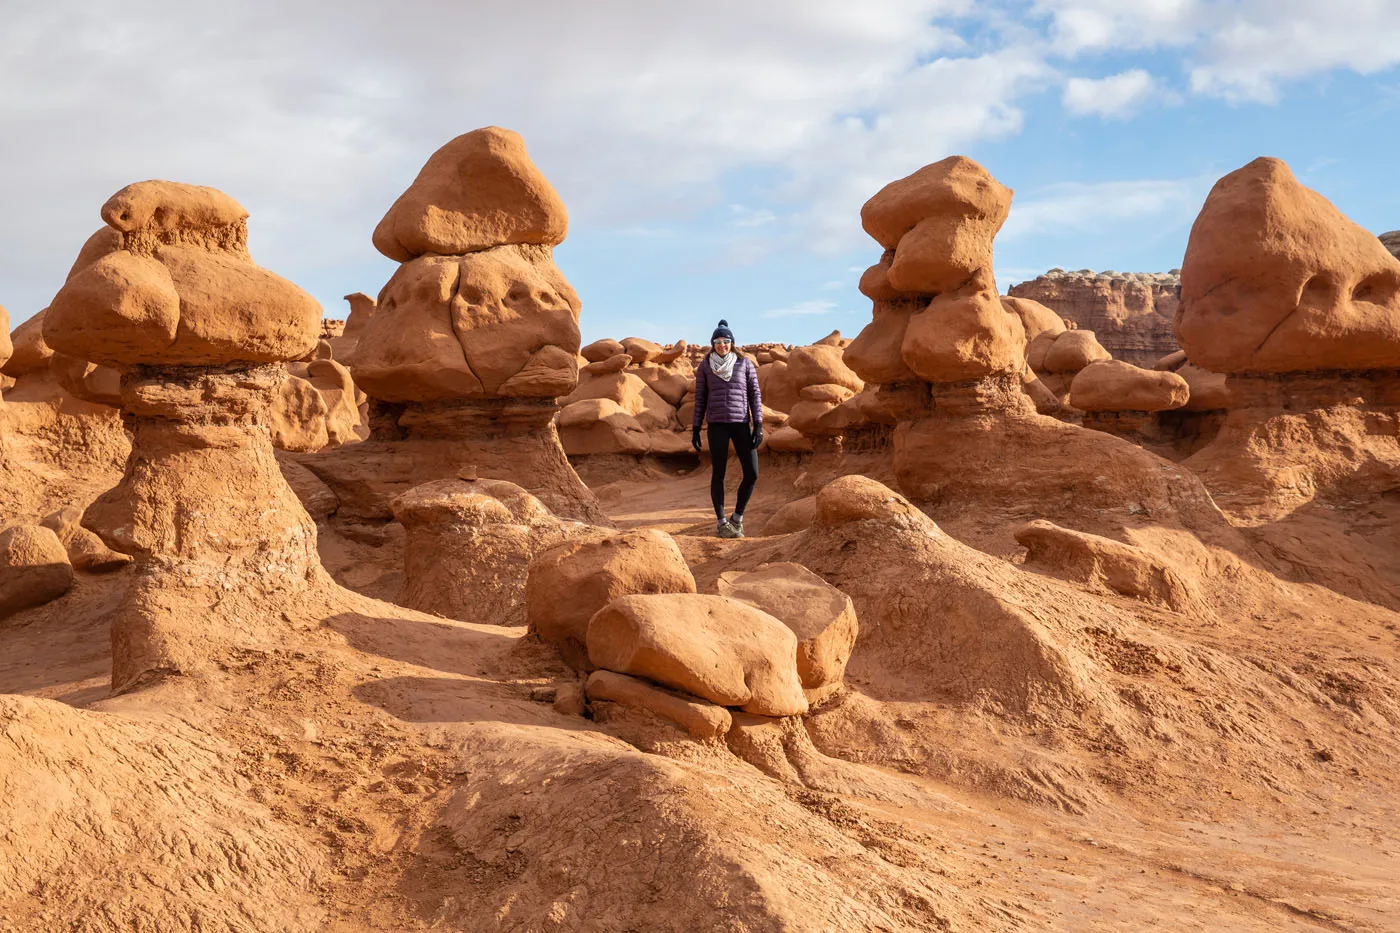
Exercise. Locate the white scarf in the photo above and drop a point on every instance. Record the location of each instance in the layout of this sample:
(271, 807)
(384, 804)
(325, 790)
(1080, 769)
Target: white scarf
(723, 366)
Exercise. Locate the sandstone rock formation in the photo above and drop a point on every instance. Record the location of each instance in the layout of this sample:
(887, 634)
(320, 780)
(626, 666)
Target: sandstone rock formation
(199, 334)
(85, 550)
(471, 340)
(469, 546)
(1300, 309)
(34, 568)
(700, 718)
(571, 581)
(1100, 561)
(1131, 313)
(820, 615)
(723, 650)
(951, 363)
(1113, 385)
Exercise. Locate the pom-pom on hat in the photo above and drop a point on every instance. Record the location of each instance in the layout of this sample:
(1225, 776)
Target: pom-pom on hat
(722, 331)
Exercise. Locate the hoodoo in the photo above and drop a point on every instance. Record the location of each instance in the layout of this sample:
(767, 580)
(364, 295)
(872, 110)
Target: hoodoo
(472, 339)
(200, 334)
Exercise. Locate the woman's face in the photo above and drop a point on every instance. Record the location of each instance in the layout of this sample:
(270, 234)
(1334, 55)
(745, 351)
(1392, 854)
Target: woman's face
(722, 345)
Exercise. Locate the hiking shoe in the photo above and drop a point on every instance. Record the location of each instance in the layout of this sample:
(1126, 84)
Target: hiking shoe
(736, 522)
(726, 530)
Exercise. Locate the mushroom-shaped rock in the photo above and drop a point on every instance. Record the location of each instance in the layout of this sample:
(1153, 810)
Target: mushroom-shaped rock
(34, 568)
(202, 506)
(1276, 279)
(701, 718)
(940, 221)
(1113, 385)
(571, 581)
(468, 547)
(723, 650)
(182, 290)
(1103, 562)
(85, 550)
(479, 190)
(822, 617)
(1071, 351)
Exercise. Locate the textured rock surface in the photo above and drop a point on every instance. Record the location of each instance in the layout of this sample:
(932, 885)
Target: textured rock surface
(720, 649)
(1277, 280)
(570, 582)
(701, 718)
(1113, 385)
(182, 289)
(821, 616)
(469, 545)
(479, 190)
(1130, 313)
(34, 568)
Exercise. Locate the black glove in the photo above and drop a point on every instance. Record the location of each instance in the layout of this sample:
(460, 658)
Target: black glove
(695, 438)
(757, 435)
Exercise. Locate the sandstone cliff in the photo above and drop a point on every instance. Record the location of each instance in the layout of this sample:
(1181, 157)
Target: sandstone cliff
(1131, 313)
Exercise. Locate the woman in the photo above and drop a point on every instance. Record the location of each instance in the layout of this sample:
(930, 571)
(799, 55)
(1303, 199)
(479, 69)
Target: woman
(727, 396)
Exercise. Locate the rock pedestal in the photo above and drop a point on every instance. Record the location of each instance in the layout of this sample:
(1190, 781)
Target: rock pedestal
(471, 340)
(200, 335)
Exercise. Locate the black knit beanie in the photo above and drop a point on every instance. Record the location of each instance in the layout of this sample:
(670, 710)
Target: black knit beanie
(722, 331)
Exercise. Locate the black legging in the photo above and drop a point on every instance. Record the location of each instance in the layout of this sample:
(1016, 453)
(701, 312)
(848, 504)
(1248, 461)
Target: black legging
(741, 434)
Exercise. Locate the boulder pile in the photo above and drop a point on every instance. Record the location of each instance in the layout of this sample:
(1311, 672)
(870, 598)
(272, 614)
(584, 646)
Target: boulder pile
(624, 608)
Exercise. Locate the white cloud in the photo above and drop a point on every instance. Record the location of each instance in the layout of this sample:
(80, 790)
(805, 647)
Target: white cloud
(1078, 206)
(802, 309)
(1078, 26)
(1113, 97)
(1252, 47)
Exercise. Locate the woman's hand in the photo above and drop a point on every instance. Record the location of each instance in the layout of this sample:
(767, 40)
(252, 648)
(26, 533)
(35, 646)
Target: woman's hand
(757, 435)
(695, 439)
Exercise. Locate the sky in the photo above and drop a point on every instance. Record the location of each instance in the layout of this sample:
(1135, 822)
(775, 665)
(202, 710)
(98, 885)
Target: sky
(713, 158)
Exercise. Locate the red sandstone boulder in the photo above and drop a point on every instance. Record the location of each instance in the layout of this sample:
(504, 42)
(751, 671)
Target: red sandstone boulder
(940, 221)
(1277, 280)
(1071, 351)
(568, 583)
(723, 650)
(822, 617)
(600, 350)
(478, 191)
(1112, 385)
(34, 568)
